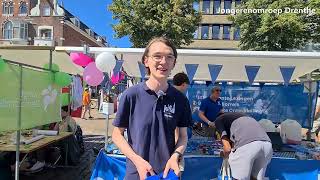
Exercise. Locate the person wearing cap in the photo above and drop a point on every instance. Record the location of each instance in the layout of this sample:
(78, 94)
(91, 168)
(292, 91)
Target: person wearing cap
(246, 145)
(150, 112)
(209, 109)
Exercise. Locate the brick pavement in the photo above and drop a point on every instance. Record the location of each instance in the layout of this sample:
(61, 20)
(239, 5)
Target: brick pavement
(94, 132)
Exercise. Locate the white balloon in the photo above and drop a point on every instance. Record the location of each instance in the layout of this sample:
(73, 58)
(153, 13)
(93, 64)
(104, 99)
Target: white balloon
(105, 62)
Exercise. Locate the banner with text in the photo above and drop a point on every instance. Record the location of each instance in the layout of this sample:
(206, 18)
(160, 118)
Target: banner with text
(40, 99)
(274, 102)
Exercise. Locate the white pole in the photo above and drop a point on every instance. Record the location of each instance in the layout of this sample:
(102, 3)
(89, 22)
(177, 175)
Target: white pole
(18, 126)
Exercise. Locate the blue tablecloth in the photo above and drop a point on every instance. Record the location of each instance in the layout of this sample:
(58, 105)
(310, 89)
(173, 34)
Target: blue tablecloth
(109, 167)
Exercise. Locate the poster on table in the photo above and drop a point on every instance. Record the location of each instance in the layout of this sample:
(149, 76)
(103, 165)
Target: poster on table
(40, 99)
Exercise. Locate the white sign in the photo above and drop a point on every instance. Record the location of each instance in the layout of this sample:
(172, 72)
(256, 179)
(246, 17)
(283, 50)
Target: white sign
(106, 108)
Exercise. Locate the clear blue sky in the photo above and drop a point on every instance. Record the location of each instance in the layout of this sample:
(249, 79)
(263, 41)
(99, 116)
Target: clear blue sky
(95, 14)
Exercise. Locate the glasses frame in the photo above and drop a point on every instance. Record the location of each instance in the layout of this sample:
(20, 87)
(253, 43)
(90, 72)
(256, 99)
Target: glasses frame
(171, 59)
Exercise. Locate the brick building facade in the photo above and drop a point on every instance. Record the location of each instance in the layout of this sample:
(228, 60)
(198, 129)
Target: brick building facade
(43, 23)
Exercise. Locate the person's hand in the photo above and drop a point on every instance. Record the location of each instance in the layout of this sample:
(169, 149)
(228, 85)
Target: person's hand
(226, 151)
(173, 163)
(211, 124)
(143, 168)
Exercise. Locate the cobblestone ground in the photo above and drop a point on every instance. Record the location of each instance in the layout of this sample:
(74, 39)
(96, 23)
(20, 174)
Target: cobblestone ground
(94, 131)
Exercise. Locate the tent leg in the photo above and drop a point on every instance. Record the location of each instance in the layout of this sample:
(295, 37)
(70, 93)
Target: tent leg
(106, 143)
(18, 127)
(309, 105)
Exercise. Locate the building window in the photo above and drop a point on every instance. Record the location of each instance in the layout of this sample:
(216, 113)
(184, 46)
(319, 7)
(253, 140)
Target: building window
(7, 8)
(236, 33)
(226, 32)
(23, 31)
(91, 33)
(77, 22)
(196, 6)
(206, 7)
(7, 30)
(19, 30)
(46, 10)
(227, 6)
(215, 31)
(216, 7)
(205, 32)
(195, 34)
(238, 2)
(45, 34)
(23, 9)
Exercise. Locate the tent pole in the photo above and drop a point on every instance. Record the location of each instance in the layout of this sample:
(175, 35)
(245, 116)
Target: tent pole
(310, 106)
(106, 143)
(50, 60)
(19, 126)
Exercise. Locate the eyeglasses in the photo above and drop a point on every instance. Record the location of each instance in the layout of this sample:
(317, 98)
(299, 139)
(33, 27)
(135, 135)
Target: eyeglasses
(159, 57)
(218, 90)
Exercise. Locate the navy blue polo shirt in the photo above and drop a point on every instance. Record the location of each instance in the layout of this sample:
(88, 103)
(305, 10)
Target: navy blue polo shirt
(150, 121)
(211, 108)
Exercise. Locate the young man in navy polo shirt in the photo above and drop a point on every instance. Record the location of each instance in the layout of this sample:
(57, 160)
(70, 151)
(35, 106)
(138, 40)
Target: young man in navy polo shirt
(210, 107)
(150, 111)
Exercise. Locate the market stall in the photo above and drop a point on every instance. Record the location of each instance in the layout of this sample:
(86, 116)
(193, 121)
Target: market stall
(244, 68)
(31, 96)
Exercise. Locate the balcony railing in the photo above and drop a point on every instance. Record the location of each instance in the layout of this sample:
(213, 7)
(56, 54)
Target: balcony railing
(43, 41)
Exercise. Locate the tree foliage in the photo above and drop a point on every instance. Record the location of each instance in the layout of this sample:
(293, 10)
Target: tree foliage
(143, 19)
(278, 31)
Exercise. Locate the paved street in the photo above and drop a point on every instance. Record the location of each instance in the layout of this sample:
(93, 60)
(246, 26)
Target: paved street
(94, 132)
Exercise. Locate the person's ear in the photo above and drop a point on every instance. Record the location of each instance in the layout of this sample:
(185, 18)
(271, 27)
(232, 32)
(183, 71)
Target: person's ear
(146, 61)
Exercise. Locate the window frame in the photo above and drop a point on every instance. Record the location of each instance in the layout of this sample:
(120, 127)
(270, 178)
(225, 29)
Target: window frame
(23, 5)
(9, 31)
(216, 12)
(224, 6)
(224, 34)
(213, 34)
(44, 8)
(236, 29)
(203, 10)
(204, 25)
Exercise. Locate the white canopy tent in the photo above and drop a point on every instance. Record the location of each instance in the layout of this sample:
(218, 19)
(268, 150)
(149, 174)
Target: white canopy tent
(233, 62)
(39, 56)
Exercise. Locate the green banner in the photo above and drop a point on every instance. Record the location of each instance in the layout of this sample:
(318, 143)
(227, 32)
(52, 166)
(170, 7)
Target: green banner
(40, 99)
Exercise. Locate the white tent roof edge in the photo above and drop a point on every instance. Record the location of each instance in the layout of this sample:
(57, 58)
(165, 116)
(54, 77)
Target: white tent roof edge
(196, 52)
(233, 62)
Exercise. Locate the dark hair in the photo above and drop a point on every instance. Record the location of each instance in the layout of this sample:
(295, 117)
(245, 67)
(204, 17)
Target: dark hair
(165, 41)
(65, 108)
(180, 78)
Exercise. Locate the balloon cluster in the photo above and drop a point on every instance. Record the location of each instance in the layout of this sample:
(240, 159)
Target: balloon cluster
(93, 71)
(60, 78)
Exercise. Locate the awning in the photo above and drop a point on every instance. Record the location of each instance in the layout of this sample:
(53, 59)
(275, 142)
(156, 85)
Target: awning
(36, 57)
(233, 62)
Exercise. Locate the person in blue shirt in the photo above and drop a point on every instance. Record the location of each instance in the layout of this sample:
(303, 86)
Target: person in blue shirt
(150, 112)
(209, 109)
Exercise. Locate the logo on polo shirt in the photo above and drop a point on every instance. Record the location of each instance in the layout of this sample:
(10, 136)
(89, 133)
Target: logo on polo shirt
(169, 110)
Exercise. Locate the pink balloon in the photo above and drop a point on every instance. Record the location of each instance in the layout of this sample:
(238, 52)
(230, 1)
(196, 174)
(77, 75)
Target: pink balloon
(117, 78)
(92, 75)
(80, 59)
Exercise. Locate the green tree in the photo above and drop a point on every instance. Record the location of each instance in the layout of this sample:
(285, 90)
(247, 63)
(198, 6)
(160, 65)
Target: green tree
(277, 31)
(143, 19)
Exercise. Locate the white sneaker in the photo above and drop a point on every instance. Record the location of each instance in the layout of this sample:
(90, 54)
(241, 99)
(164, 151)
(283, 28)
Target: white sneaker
(38, 166)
